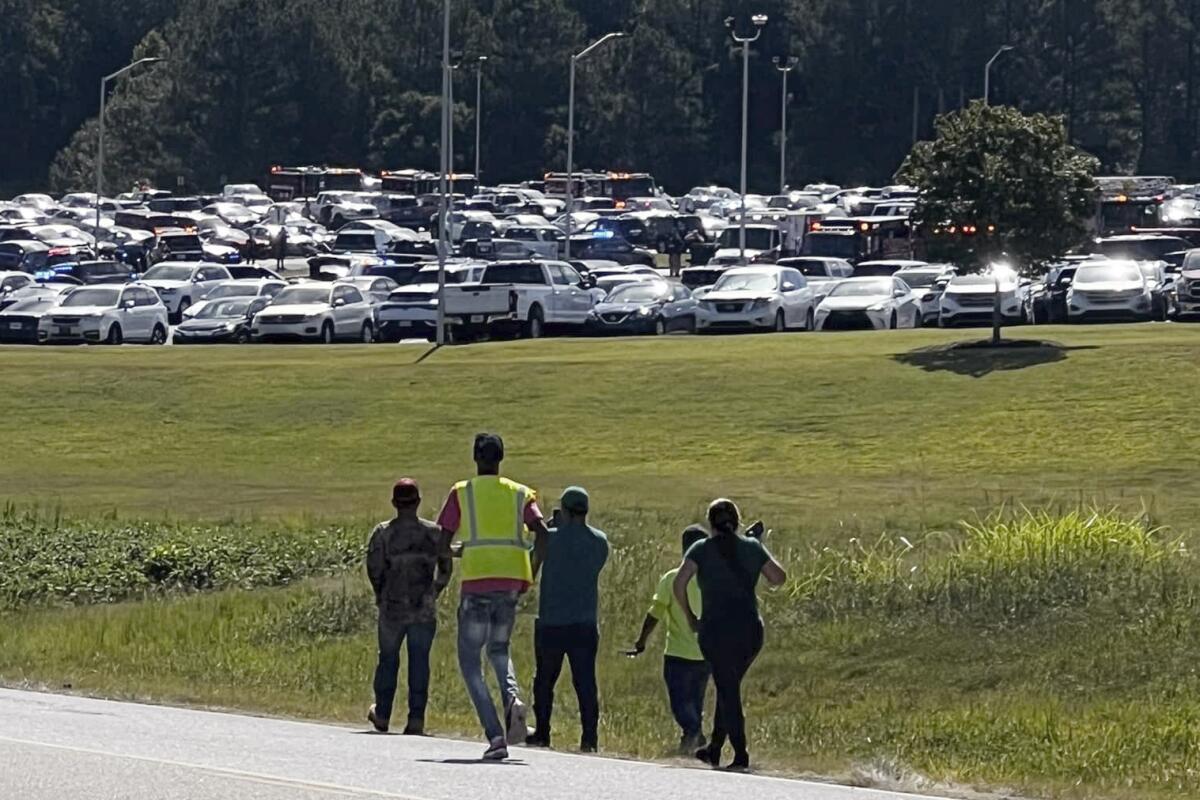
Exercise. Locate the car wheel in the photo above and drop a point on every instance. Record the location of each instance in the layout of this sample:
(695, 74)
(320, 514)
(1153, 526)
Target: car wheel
(892, 321)
(241, 337)
(327, 333)
(692, 325)
(810, 320)
(780, 321)
(535, 328)
(114, 335)
(158, 335)
(660, 327)
(368, 335)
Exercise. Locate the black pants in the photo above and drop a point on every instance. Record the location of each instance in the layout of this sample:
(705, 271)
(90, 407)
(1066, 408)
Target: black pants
(578, 644)
(687, 683)
(730, 647)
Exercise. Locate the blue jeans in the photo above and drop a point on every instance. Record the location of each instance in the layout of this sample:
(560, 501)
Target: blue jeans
(486, 620)
(687, 683)
(420, 641)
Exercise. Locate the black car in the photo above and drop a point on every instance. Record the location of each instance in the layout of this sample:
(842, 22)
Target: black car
(223, 321)
(600, 248)
(92, 272)
(1049, 295)
(655, 307)
(250, 271)
(19, 320)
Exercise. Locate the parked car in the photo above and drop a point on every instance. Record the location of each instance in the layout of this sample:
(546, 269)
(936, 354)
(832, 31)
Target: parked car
(179, 284)
(24, 255)
(1048, 298)
(544, 240)
(969, 300)
(335, 208)
(106, 314)
(1109, 291)
(822, 273)
(927, 283)
(93, 272)
(1187, 285)
(411, 310)
(375, 288)
(21, 318)
(226, 290)
(652, 306)
(12, 281)
(762, 298)
(883, 267)
(225, 320)
(869, 304)
(322, 312)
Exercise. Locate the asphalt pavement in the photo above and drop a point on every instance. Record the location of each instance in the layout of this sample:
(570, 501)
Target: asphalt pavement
(55, 747)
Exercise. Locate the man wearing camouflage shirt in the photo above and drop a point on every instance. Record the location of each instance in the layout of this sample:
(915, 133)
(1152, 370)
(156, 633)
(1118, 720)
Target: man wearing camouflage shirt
(409, 565)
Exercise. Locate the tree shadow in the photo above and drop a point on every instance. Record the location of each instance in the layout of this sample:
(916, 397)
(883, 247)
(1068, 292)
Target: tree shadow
(976, 359)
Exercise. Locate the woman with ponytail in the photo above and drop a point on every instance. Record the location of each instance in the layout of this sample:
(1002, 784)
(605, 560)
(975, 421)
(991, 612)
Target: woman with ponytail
(727, 567)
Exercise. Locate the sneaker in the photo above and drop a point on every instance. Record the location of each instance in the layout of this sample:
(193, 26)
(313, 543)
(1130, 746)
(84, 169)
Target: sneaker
(381, 725)
(497, 750)
(415, 727)
(739, 764)
(517, 718)
(536, 739)
(709, 757)
(691, 743)
(588, 747)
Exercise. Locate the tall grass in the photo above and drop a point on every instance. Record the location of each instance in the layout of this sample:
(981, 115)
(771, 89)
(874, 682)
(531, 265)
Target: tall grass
(1005, 568)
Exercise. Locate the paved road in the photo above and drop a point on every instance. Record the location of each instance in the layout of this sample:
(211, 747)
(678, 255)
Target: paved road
(54, 747)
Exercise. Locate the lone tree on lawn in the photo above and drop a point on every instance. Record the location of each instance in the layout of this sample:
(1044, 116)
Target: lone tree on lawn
(998, 184)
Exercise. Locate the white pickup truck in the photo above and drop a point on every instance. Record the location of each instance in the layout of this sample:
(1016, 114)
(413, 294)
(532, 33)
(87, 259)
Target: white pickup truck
(523, 298)
(411, 310)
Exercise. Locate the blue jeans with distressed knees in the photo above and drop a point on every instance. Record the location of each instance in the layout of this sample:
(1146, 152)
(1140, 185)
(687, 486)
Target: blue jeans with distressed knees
(485, 622)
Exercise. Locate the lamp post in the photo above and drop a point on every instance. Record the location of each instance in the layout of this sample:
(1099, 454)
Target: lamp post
(455, 63)
(784, 65)
(479, 62)
(987, 74)
(443, 153)
(759, 20)
(571, 128)
(100, 144)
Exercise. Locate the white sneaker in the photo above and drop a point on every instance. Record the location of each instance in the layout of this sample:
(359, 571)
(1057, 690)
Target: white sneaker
(497, 750)
(517, 717)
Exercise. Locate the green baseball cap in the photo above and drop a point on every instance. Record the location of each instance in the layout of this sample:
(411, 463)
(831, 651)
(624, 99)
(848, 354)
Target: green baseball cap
(575, 498)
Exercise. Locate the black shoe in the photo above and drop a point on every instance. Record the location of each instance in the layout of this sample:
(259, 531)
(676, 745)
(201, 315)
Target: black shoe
(415, 727)
(691, 743)
(740, 763)
(709, 756)
(536, 739)
(381, 725)
(588, 747)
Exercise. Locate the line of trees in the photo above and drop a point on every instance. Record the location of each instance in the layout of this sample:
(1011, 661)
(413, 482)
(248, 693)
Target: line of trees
(254, 82)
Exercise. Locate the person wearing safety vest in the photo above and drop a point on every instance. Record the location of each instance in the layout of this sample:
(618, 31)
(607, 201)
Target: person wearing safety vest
(493, 518)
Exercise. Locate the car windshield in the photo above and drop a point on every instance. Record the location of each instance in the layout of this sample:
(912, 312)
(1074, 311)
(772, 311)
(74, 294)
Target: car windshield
(746, 281)
(168, 273)
(861, 289)
(810, 267)
(756, 238)
(982, 280)
(92, 297)
(639, 292)
(1103, 273)
(233, 290)
(918, 280)
(224, 309)
(302, 295)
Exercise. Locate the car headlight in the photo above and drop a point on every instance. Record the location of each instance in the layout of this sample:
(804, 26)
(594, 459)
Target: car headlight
(878, 307)
(230, 327)
(316, 315)
(645, 311)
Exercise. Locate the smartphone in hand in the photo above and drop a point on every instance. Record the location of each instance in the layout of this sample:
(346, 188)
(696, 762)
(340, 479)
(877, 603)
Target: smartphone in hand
(756, 530)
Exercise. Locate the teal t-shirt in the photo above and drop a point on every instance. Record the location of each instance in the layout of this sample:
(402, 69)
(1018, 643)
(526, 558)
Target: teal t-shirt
(569, 593)
(728, 582)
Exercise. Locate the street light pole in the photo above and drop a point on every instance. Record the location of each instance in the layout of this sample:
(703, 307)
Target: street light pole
(759, 21)
(571, 129)
(987, 74)
(784, 65)
(100, 143)
(479, 62)
(444, 203)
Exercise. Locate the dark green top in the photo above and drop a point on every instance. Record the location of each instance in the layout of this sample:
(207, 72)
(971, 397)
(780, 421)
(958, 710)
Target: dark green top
(727, 583)
(569, 594)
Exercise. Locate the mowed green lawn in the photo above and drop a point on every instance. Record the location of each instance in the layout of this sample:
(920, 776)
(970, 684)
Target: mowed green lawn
(820, 433)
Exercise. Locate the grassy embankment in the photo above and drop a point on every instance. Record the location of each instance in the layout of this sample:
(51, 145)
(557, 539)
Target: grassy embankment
(1056, 659)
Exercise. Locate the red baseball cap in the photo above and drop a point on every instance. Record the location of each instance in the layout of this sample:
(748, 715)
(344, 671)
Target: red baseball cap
(406, 492)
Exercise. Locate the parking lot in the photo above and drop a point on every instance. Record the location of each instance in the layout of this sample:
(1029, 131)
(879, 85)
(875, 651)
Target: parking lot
(332, 256)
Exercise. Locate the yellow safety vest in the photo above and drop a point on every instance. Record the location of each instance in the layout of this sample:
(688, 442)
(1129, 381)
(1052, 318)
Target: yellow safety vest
(493, 528)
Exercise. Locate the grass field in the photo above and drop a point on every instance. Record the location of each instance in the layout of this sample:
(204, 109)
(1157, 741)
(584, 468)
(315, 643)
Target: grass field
(1062, 669)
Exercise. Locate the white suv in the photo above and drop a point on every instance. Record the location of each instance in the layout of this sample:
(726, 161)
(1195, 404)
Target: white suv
(1109, 290)
(108, 314)
(763, 298)
(317, 311)
(181, 283)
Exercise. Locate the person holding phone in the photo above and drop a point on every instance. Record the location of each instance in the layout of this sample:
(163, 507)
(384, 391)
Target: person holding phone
(727, 567)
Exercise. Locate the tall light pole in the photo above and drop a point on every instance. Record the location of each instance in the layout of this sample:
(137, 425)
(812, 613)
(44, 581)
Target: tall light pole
(759, 21)
(479, 62)
(784, 65)
(443, 153)
(987, 74)
(100, 144)
(571, 128)
(455, 63)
